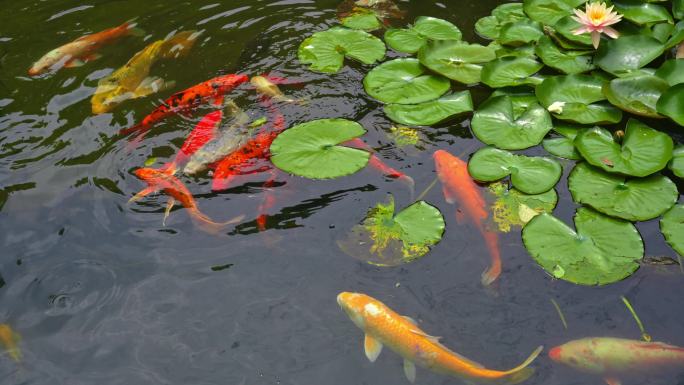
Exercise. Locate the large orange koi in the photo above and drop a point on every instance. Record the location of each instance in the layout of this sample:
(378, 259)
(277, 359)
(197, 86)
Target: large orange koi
(457, 185)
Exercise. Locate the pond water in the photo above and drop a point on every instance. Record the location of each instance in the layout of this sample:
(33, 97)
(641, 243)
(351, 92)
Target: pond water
(102, 293)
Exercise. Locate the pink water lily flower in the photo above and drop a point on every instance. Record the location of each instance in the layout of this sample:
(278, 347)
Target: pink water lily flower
(596, 19)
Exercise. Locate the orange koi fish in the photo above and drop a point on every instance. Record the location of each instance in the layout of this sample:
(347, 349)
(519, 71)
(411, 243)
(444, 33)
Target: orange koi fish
(381, 166)
(176, 190)
(10, 340)
(611, 357)
(266, 204)
(81, 50)
(211, 90)
(457, 185)
(384, 327)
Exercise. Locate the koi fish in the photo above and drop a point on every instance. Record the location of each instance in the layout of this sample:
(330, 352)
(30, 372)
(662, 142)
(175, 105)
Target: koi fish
(610, 357)
(82, 50)
(10, 340)
(269, 89)
(384, 327)
(176, 190)
(132, 81)
(211, 90)
(381, 166)
(267, 203)
(457, 185)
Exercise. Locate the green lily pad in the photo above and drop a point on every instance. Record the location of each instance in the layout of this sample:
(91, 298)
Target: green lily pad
(520, 32)
(672, 227)
(628, 53)
(676, 36)
(601, 251)
(643, 150)
(577, 98)
(510, 71)
(678, 8)
(677, 162)
(384, 239)
(522, 98)
(635, 199)
(565, 27)
(311, 149)
(662, 31)
(672, 71)
(432, 112)
(363, 19)
(671, 104)
(636, 94)
(569, 62)
(456, 60)
(325, 51)
(640, 12)
(494, 123)
(549, 12)
(514, 208)
(564, 147)
(519, 51)
(404, 81)
(426, 28)
(490, 26)
(530, 175)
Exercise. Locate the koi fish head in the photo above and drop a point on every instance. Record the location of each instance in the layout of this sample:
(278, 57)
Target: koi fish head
(579, 354)
(444, 161)
(45, 63)
(356, 306)
(160, 178)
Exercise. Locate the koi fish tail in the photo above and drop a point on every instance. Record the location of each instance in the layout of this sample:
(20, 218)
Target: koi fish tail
(207, 224)
(492, 273)
(521, 372)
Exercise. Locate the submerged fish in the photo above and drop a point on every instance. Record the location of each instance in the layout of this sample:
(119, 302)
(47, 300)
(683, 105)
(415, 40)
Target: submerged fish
(458, 186)
(269, 89)
(81, 50)
(383, 327)
(132, 81)
(10, 340)
(613, 357)
(377, 163)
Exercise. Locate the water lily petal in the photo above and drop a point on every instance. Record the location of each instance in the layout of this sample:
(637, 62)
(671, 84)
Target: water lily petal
(596, 38)
(611, 32)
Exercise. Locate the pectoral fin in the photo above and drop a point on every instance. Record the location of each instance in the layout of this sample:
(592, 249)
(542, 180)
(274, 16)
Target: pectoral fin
(372, 347)
(74, 63)
(169, 206)
(411, 320)
(613, 381)
(410, 370)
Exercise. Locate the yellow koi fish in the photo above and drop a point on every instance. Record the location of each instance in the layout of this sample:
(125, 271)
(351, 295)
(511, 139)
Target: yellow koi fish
(10, 340)
(401, 334)
(132, 81)
(266, 87)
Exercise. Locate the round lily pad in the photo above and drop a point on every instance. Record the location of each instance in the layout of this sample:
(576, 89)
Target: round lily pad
(510, 71)
(642, 152)
(363, 19)
(490, 26)
(311, 149)
(522, 98)
(530, 175)
(569, 62)
(514, 208)
(634, 199)
(672, 71)
(672, 226)
(677, 162)
(640, 12)
(671, 104)
(628, 53)
(456, 60)
(494, 123)
(549, 12)
(384, 239)
(520, 32)
(636, 94)
(577, 98)
(404, 81)
(564, 146)
(426, 28)
(601, 251)
(432, 112)
(325, 51)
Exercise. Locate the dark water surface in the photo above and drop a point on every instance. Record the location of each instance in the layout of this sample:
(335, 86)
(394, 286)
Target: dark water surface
(102, 293)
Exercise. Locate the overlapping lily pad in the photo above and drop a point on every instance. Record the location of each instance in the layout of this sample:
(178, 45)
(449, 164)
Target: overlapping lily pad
(511, 71)
(601, 250)
(530, 175)
(636, 94)
(672, 226)
(569, 62)
(513, 208)
(671, 104)
(311, 149)
(490, 26)
(550, 11)
(672, 71)
(520, 32)
(404, 81)
(456, 60)
(409, 40)
(432, 112)
(565, 27)
(677, 162)
(633, 199)
(564, 146)
(494, 123)
(363, 19)
(643, 150)
(628, 53)
(384, 239)
(641, 12)
(325, 51)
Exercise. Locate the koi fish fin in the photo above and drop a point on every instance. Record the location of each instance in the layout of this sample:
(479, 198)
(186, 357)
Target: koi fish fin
(218, 101)
(143, 193)
(411, 320)
(75, 62)
(613, 381)
(149, 86)
(372, 347)
(430, 338)
(492, 273)
(410, 371)
(167, 211)
(448, 195)
(525, 363)
(206, 224)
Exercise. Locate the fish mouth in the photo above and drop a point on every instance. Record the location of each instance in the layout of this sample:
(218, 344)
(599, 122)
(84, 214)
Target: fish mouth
(555, 354)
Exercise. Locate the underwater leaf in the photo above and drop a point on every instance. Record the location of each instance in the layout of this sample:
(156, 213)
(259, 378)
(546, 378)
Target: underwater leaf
(530, 175)
(569, 62)
(672, 227)
(636, 94)
(494, 123)
(671, 104)
(564, 147)
(677, 162)
(456, 60)
(641, 12)
(514, 208)
(426, 28)
(633, 199)
(628, 53)
(311, 149)
(520, 32)
(363, 19)
(549, 12)
(325, 51)
(672, 71)
(384, 239)
(642, 152)
(404, 81)
(432, 112)
(510, 71)
(601, 250)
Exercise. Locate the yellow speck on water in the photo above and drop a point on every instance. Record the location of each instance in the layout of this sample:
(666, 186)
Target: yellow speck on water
(10, 340)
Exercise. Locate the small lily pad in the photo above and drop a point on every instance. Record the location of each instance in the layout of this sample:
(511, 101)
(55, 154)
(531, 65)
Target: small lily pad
(456, 60)
(564, 147)
(549, 12)
(432, 112)
(510, 71)
(494, 123)
(601, 251)
(514, 208)
(489, 27)
(530, 175)
(404, 81)
(325, 51)
(672, 227)
(363, 19)
(628, 53)
(384, 239)
(426, 28)
(672, 71)
(634, 199)
(520, 32)
(569, 62)
(671, 104)
(677, 162)
(311, 149)
(636, 94)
